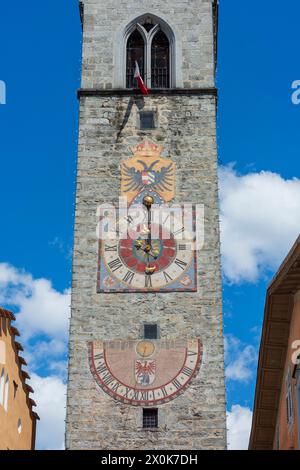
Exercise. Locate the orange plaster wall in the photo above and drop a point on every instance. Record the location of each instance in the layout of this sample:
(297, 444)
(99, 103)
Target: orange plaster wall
(17, 407)
(288, 435)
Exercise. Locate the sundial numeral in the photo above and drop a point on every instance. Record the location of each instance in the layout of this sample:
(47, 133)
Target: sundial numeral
(164, 391)
(181, 264)
(148, 281)
(135, 395)
(115, 264)
(176, 384)
(192, 353)
(107, 378)
(115, 386)
(144, 395)
(128, 277)
(98, 356)
(168, 278)
(101, 368)
(111, 248)
(187, 371)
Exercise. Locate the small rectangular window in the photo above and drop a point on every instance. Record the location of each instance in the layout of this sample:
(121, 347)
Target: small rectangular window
(15, 388)
(147, 120)
(150, 331)
(150, 418)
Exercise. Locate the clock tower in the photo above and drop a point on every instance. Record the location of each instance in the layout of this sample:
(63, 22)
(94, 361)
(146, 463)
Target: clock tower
(146, 357)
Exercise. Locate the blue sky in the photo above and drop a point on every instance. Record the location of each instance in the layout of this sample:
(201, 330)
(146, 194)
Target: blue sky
(257, 131)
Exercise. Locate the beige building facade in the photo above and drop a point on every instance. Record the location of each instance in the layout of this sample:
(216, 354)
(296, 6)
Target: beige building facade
(17, 418)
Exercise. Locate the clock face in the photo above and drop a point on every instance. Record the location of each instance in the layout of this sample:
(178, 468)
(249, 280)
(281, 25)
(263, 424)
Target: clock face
(124, 261)
(145, 372)
(132, 261)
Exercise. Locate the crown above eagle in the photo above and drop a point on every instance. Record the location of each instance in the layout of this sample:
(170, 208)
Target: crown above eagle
(147, 149)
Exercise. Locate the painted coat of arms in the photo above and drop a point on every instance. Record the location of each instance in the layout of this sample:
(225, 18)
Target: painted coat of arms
(145, 372)
(148, 169)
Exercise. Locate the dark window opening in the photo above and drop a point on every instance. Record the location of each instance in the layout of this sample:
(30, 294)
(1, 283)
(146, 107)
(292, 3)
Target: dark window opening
(147, 120)
(148, 24)
(150, 418)
(160, 61)
(150, 331)
(15, 388)
(135, 52)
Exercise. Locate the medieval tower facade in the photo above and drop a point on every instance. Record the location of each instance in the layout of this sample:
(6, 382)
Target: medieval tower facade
(146, 340)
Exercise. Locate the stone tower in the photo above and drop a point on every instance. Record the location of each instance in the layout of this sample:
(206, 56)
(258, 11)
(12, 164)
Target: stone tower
(146, 342)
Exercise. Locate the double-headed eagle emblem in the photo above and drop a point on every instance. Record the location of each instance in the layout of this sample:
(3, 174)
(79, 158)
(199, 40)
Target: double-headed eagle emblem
(148, 169)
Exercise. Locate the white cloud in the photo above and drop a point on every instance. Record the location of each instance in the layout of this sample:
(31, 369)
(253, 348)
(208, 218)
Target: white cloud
(259, 222)
(41, 308)
(50, 396)
(239, 421)
(240, 359)
(42, 317)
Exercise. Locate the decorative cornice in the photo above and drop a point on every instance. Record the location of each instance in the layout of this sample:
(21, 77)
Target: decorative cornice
(83, 92)
(7, 314)
(273, 349)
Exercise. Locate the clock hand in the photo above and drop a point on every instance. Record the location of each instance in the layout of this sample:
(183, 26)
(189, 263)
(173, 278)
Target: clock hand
(147, 201)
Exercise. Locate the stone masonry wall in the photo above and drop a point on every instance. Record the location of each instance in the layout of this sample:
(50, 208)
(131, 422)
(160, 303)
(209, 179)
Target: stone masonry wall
(196, 419)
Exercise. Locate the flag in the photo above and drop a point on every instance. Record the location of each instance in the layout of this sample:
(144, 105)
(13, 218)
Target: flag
(140, 82)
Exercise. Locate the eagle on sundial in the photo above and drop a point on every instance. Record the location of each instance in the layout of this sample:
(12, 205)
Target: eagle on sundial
(148, 169)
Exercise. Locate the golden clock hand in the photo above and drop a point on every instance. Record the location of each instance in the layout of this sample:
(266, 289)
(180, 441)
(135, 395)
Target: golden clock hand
(148, 201)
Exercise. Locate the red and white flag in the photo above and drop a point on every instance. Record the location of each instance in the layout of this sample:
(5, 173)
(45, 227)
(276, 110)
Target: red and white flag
(140, 81)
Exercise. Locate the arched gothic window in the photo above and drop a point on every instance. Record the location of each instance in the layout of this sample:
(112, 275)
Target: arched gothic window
(135, 52)
(160, 61)
(149, 45)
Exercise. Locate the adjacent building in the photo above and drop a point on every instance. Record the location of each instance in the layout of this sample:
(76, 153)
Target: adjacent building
(276, 418)
(17, 418)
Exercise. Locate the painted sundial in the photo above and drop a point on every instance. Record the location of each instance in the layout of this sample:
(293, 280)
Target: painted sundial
(145, 372)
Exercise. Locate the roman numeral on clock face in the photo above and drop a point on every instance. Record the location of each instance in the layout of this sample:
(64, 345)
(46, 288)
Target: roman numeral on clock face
(148, 281)
(177, 232)
(128, 277)
(167, 277)
(129, 219)
(115, 264)
(182, 247)
(181, 264)
(111, 248)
